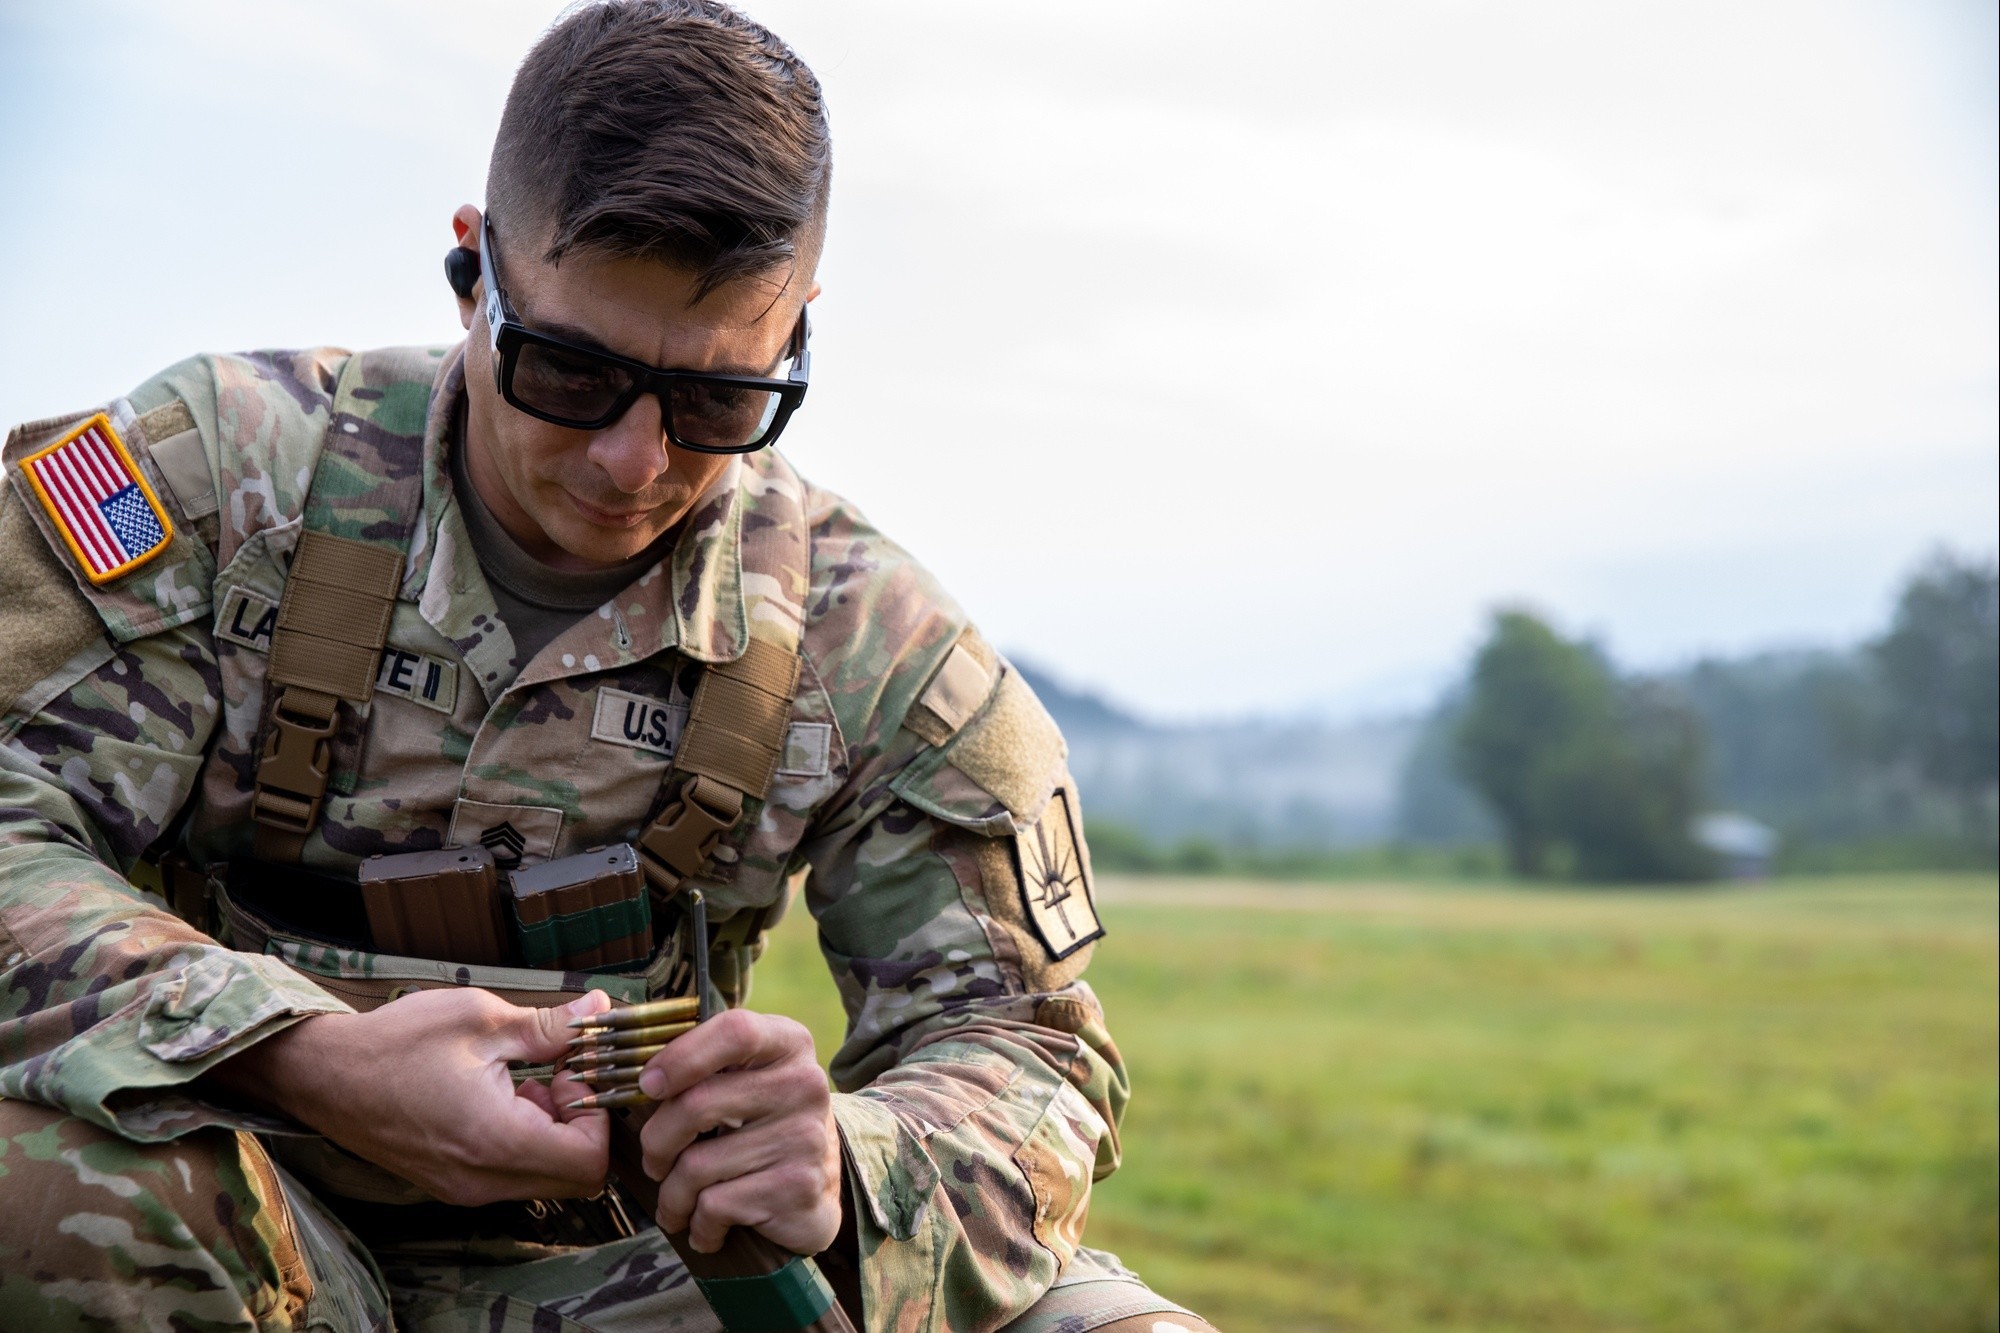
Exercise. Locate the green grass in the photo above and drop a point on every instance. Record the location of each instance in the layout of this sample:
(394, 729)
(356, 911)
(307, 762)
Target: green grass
(1435, 1107)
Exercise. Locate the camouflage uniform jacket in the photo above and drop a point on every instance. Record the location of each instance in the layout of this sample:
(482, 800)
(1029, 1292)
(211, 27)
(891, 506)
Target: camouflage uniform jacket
(978, 1093)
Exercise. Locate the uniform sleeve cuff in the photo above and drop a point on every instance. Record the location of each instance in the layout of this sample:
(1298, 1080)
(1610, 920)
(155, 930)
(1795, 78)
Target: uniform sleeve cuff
(130, 1073)
(891, 1174)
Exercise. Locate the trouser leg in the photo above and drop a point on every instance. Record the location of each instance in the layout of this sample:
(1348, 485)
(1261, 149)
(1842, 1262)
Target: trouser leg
(98, 1232)
(205, 1232)
(636, 1285)
(1098, 1294)
(639, 1286)
(1171, 1322)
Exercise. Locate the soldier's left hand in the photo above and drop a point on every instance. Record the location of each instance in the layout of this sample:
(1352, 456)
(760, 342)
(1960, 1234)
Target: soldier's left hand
(777, 1166)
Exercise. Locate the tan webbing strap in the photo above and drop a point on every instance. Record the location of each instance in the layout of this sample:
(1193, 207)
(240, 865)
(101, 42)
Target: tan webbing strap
(326, 646)
(365, 499)
(741, 710)
(736, 721)
(729, 749)
(335, 614)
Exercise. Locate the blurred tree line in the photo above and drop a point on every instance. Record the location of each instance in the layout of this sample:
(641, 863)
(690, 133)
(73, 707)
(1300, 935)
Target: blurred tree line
(1887, 755)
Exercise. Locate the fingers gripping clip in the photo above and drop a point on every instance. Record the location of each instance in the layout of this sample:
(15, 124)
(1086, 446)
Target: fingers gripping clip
(752, 1284)
(612, 1049)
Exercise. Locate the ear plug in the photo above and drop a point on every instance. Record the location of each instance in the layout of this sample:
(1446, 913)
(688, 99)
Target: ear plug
(461, 270)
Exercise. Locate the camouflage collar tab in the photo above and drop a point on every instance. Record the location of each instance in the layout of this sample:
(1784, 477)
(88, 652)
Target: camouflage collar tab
(706, 568)
(692, 602)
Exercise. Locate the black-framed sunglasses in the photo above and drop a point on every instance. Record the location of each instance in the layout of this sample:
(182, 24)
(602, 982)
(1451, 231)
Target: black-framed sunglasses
(587, 389)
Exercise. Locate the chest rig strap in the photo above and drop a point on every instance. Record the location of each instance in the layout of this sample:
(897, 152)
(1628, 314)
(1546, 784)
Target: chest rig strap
(365, 500)
(735, 733)
(729, 750)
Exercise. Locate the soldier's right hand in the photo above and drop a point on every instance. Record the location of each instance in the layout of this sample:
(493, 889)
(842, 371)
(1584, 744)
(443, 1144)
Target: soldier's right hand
(420, 1086)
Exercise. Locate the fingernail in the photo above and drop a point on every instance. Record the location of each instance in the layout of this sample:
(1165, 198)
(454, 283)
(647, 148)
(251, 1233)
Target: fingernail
(653, 1083)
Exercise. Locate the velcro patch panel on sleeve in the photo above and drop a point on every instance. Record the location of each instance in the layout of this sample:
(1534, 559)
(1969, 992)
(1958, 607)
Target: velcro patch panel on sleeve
(98, 501)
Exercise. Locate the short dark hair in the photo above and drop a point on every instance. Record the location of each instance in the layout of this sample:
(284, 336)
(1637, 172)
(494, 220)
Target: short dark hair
(676, 130)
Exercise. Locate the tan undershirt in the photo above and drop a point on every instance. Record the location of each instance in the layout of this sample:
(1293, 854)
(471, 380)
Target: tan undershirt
(536, 603)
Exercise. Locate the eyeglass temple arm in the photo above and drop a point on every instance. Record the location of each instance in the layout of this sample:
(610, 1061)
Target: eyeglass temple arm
(802, 347)
(495, 303)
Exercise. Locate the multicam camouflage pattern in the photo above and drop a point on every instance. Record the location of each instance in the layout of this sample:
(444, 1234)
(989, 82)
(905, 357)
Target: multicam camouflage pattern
(979, 1092)
(201, 1232)
(207, 1232)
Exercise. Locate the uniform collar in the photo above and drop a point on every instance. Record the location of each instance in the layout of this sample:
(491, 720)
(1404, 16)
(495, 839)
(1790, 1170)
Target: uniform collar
(691, 602)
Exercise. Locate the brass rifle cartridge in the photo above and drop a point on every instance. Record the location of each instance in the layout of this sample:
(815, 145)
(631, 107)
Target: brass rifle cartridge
(650, 1014)
(611, 1100)
(617, 1038)
(631, 1057)
(610, 1076)
(611, 1049)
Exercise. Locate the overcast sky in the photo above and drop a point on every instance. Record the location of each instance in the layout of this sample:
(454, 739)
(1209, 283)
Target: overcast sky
(1224, 358)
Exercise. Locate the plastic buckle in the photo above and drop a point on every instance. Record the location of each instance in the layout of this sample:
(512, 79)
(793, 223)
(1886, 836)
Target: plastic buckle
(292, 776)
(676, 845)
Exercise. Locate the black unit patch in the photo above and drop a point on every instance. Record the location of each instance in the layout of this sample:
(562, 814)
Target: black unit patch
(1055, 885)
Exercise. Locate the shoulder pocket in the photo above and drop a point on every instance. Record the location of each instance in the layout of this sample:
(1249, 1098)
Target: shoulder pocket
(998, 772)
(111, 521)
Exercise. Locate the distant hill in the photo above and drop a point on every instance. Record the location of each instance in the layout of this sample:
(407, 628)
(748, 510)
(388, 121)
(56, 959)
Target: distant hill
(1885, 748)
(1077, 712)
(1267, 783)
(1785, 735)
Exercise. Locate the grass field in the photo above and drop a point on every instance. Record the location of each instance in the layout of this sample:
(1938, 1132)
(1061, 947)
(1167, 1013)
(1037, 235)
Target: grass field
(1419, 1107)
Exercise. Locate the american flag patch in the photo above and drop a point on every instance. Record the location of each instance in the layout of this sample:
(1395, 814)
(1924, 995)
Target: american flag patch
(107, 514)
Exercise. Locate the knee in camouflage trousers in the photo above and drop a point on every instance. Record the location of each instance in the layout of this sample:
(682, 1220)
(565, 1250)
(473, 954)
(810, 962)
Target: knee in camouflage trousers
(200, 1233)
(208, 1233)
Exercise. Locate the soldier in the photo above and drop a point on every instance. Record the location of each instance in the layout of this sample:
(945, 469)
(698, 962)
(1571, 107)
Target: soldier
(548, 590)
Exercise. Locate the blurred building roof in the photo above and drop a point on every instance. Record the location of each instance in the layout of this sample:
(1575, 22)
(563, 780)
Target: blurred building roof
(1728, 833)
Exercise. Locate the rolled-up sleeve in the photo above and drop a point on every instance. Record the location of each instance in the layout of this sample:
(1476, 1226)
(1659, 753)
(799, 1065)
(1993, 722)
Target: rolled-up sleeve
(110, 1005)
(978, 1089)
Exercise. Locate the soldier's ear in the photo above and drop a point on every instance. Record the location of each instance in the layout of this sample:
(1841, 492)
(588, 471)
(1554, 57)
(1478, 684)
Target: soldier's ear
(461, 262)
(461, 270)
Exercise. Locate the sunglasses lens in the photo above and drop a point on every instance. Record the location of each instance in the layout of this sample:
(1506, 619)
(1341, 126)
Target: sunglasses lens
(727, 417)
(569, 386)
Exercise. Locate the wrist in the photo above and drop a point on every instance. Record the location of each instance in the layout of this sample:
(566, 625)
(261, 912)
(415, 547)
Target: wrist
(262, 1075)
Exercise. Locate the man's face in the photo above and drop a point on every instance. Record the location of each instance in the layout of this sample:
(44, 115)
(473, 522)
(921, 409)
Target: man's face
(578, 498)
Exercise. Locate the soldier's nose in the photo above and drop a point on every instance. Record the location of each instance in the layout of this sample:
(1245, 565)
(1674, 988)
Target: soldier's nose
(632, 450)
